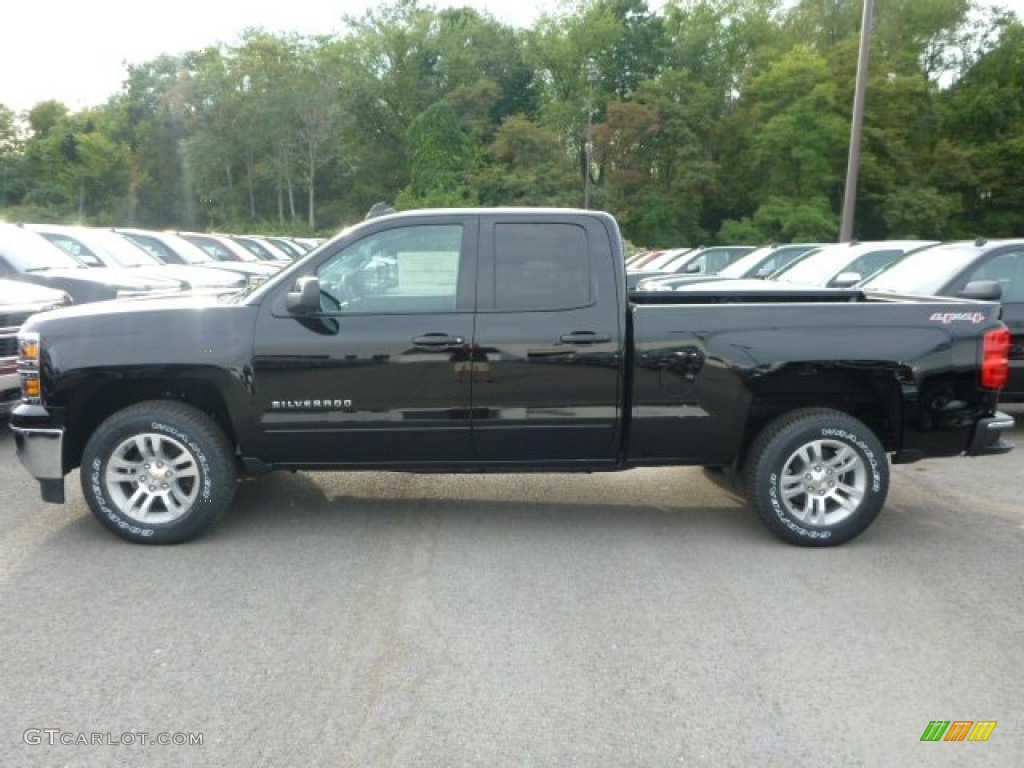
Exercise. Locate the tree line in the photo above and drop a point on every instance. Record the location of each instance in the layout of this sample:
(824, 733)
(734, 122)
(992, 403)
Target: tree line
(702, 121)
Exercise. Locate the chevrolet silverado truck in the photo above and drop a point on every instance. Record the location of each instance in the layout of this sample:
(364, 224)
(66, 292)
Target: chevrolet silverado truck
(502, 340)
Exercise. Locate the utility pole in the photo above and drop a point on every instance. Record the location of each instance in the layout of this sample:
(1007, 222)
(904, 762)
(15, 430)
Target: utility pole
(592, 77)
(853, 162)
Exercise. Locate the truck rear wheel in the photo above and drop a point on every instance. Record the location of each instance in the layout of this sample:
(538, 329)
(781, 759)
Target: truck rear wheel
(158, 472)
(817, 477)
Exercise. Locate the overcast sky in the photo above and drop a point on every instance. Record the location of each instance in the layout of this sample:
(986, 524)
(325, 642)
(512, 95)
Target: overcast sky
(75, 51)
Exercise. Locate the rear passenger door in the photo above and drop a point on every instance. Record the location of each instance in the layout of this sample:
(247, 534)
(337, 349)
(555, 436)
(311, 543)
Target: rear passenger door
(546, 365)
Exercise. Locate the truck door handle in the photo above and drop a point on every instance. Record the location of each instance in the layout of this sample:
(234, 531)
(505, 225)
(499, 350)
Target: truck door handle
(438, 340)
(584, 337)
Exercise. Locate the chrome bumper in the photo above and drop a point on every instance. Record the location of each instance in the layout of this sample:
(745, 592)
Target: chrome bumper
(41, 453)
(987, 439)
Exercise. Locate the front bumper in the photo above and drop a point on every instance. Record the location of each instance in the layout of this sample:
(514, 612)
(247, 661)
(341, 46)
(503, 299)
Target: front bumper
(40, 451)
(987, 438)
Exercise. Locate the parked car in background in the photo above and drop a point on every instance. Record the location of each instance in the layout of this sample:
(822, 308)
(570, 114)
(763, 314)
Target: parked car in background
(30, 257)
(640, 257)
(18, 302)
(172, 248)
(659, 259)
(310, 242)
(262, 249)
(223, 248)
(763, 261)
(758, 263)
(700, 261)
(982, 269)
(844, 264)
(293, 249)
(104, 248)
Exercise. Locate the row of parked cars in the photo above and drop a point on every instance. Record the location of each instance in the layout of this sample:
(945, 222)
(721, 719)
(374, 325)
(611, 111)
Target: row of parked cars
(990, 270)
(45, 266)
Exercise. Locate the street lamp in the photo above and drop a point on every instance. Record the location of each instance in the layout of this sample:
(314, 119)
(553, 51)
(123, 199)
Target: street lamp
(592, 77)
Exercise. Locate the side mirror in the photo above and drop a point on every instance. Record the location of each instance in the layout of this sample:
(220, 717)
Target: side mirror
(846, 279)
(982, 290)
(692, 268)
(304, 298)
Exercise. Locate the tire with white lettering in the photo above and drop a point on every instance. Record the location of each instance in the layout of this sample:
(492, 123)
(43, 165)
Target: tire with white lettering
(158, 472)
(817, 477)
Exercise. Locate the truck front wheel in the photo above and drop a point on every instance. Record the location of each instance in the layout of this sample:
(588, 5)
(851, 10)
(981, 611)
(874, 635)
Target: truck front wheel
(158, 472)
(817, 477)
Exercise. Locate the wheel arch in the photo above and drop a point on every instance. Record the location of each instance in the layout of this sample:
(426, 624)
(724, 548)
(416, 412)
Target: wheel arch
(91, 403)
(874, 396)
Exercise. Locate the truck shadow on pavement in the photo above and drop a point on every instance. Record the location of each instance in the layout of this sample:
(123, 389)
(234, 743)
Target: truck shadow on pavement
(336, 503)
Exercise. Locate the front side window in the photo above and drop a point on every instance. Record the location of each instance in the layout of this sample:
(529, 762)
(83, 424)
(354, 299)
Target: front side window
(411, 269)
(541, 267)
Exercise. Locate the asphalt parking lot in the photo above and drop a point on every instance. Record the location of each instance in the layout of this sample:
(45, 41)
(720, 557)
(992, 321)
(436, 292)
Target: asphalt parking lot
(643, 618)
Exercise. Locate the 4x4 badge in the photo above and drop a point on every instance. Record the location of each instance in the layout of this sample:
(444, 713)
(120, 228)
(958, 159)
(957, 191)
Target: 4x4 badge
(947, 318)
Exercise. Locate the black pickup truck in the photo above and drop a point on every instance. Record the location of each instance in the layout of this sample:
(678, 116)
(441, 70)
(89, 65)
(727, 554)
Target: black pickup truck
(502, 340)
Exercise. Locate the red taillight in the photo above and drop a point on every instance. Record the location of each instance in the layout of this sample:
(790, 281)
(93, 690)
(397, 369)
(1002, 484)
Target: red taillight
(995, 359)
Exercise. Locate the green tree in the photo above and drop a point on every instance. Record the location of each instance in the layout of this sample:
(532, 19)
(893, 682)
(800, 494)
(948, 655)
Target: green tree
(44, 116)
(788, 144)
(149, 116)
(985, 121)
(661, 170)
(11, 149)
(440, 166)
(81, 169)
(528, 166)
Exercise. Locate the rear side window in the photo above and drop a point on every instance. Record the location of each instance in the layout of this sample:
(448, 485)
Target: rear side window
(541, 267)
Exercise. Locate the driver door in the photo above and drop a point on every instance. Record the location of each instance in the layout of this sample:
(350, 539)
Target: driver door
(375, 377)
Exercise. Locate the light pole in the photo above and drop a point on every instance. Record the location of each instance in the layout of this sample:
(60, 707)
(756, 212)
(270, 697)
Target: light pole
(853, 161)
(592, 77)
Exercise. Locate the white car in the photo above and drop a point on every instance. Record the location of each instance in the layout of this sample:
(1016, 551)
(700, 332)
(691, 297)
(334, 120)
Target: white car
(842, 265)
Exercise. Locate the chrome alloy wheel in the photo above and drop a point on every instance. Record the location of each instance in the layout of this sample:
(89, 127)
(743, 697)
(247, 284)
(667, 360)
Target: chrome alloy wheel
(152, 478)
(823, 482)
